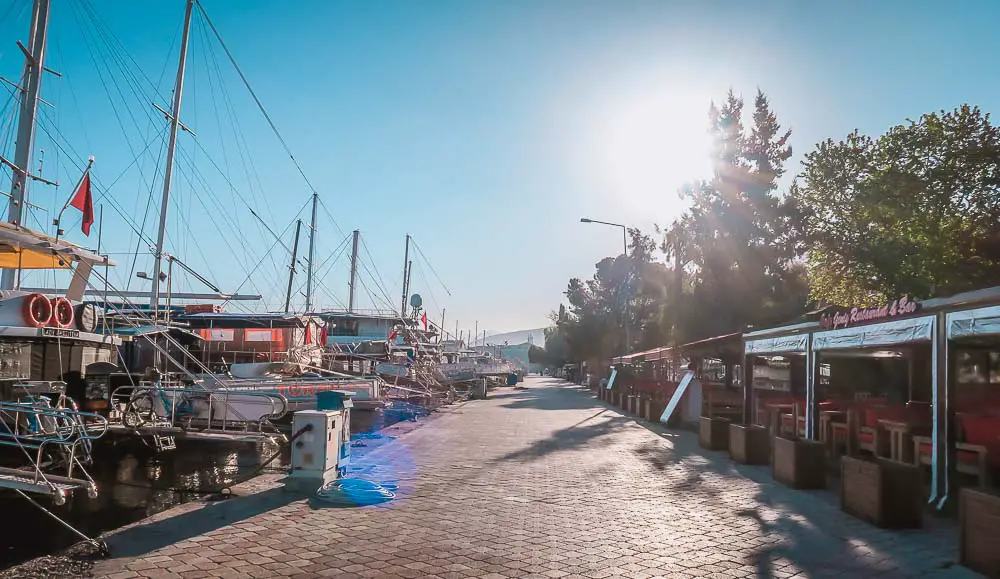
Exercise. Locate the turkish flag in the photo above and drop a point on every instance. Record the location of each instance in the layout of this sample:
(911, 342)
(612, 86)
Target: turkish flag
(423, 319)
(84, 201)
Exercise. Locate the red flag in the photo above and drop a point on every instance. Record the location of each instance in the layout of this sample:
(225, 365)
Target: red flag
(423, 319)
(323, 332)
(392, 335)
(84, 201)
(309, 335)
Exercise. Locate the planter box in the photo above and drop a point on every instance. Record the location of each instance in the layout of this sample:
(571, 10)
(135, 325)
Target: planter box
(654, 410)
(749, 444)
(713, 433)
(800, 464)
(885, 493)
(979, 531)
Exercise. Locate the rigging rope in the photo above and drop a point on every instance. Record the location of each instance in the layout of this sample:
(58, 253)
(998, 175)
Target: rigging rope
(253, 94)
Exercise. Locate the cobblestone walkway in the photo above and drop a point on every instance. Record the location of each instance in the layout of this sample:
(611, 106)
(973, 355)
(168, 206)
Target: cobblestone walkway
(542, 482)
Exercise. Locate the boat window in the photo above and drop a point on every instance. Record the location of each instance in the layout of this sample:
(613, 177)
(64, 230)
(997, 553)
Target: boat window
(344, 328)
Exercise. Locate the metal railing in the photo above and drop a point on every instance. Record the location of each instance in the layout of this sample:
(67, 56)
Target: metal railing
(154, 405)
(36, 425)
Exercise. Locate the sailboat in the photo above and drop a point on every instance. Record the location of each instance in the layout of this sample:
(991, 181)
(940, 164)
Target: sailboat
(50, 345)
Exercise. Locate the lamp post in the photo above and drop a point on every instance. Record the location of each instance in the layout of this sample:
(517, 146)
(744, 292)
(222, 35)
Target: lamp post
(628, 323)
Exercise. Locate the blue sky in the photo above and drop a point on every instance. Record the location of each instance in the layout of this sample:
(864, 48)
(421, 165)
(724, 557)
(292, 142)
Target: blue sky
(484, 129)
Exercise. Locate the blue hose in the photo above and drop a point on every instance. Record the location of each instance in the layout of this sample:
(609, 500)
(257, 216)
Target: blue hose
(353, 492)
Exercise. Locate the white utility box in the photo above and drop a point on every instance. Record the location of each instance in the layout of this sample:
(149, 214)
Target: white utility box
(320, 454)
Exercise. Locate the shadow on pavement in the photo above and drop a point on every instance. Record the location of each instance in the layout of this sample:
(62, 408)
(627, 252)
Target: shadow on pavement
(152, 536)
(545, 398)
(569, 438)
(813, 537)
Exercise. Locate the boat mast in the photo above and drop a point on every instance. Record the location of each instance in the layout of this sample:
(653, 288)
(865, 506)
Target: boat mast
(312, 254)
(34, 63)
(171, 146)
(409, 272)
(406, 273)
(354, 271)
(291, 266)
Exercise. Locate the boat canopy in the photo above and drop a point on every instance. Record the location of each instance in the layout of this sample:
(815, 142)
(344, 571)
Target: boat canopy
(150, 330)
(28, 249)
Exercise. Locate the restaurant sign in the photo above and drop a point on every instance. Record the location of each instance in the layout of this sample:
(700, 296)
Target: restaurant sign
(846, 317)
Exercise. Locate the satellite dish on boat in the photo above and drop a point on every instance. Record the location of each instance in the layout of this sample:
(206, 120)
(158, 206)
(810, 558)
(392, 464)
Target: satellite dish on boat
(416, 301)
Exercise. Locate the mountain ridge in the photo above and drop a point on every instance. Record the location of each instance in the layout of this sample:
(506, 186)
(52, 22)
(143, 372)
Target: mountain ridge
(535, 336)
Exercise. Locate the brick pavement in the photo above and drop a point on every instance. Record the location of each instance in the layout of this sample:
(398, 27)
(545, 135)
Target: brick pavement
(541, 482)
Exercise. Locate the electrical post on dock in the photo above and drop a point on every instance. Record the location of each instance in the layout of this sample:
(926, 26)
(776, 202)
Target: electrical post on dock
(321, 449)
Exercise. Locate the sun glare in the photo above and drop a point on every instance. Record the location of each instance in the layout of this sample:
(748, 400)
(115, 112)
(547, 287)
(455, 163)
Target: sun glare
(652, 144)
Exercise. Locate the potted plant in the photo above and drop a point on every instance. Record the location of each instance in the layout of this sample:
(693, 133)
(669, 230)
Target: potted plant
(979, 531)
(798, 463)
(749, 444)
(883, 492)
(713, 431)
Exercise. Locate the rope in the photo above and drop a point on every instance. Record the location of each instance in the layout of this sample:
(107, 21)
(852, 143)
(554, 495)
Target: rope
(260, 105)
(101, 546)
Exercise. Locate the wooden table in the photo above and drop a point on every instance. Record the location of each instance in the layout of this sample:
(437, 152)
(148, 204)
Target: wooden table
(900, 440)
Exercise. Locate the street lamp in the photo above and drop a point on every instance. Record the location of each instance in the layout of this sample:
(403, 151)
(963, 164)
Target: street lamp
(628, 341)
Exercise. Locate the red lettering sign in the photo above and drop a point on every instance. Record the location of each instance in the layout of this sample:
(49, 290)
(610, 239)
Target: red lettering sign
(843, 318)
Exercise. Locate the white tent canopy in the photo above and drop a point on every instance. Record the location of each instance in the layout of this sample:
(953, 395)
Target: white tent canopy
(883, 334)
(977, 322)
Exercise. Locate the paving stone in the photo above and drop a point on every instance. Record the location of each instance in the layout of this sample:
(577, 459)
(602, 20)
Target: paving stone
(547, 482)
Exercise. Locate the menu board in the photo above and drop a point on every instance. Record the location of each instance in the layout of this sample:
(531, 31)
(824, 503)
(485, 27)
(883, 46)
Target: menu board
(676, 399)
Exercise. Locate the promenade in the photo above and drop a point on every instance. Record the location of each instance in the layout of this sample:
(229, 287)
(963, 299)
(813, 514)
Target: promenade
(545, 481)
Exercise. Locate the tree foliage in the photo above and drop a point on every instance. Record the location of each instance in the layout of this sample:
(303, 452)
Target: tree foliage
(915, 211)
(738, 237)
(593, 325)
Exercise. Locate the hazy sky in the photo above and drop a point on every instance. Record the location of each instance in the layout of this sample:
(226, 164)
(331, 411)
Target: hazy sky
(484, 129)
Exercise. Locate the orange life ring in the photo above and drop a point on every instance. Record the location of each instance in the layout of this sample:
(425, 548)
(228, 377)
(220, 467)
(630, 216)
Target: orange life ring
(37, 310)
(62, 313)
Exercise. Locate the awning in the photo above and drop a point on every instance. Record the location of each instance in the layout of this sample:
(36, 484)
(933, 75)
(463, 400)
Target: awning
(884, 334)
(639, 356)
(780, 344)
(977, 322)
(28, 249)
(659, 354)
(149, 331)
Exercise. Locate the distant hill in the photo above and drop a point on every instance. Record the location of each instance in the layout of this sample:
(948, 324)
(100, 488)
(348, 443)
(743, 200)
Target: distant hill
(535, 336)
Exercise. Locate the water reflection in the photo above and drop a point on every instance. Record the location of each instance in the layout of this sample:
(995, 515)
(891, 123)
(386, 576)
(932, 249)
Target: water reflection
(134, 483)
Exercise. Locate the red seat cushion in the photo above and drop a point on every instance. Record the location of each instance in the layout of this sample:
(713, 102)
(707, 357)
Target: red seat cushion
(967, 456)
(964, 456)
(983, 430)
(866, 437)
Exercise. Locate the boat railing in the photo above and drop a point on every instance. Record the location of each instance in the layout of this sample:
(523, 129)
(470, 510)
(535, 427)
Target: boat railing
(154, 405)
(36, 423)
(37, 428)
